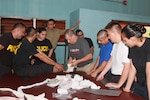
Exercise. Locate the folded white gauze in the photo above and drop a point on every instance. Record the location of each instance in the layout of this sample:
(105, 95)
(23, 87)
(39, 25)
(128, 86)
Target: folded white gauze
(85, 83)
(60, 77)
(77, 77)
(20, 88)
(67, 82)
(62, 91)
(21, 95)
(10, 98)
(53, 82)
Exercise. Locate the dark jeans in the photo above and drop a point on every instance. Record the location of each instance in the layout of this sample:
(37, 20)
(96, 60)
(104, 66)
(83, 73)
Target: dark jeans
(33, 70)
(4, 70)
(140, 90)
(112, 78)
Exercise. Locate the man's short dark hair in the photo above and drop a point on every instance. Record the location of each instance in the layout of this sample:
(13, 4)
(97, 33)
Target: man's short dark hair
(30, 31)
(69, 32)
(77, 31)
(102, 31)
(113, 23)
(52, 20)
(18, 25)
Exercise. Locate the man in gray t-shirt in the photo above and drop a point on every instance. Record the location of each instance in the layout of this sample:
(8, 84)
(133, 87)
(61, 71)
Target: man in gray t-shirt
(79, 52)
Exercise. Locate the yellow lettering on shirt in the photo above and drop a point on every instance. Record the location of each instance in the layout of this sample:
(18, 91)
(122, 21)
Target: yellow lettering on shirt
(43, 48)
(30, 57)
(14, 48)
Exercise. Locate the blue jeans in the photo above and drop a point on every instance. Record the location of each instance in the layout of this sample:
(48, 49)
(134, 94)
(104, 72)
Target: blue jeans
(140, 90)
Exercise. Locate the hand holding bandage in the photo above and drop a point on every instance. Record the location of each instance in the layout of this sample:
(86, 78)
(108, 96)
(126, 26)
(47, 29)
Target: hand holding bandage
(74, 62)
(59, 66)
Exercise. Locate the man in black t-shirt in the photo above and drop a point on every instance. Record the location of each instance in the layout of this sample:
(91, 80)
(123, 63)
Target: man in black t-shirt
(8, 46)
(22, 59)
(80, 34)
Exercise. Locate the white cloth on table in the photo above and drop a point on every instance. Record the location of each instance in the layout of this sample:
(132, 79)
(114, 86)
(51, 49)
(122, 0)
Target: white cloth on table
(22, 95)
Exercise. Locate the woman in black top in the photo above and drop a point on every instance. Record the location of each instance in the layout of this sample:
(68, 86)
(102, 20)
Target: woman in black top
(139, 54)
(42, 44)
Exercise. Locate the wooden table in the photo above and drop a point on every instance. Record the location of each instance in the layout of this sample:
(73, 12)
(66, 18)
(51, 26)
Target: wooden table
(13, 81)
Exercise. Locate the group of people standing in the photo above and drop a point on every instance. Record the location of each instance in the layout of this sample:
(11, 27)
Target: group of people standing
(129, 62)
(123, 60)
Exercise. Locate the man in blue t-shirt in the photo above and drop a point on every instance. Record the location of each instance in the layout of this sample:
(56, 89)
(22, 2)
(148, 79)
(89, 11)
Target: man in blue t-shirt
(104, 55)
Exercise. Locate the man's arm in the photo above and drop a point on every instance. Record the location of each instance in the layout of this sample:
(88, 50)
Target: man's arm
(105, 70)
(101, 67)
(123, 77)
(85, 58)
(95, 66)
(76, 26)
(1, 47)
(92, 50)
(70, 60)
(125, 74)
(131, 77)
(43, 57)
(50, 52)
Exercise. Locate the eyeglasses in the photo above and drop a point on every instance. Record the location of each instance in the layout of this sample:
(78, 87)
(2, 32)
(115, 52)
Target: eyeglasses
(80, 35)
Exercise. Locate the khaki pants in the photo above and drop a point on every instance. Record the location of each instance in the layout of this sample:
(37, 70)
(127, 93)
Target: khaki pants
(87, 68)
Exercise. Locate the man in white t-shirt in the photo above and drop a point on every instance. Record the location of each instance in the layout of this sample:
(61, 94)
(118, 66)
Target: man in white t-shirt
(119, 62)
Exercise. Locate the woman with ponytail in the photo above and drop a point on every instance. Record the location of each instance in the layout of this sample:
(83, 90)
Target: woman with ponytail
(139, 55)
